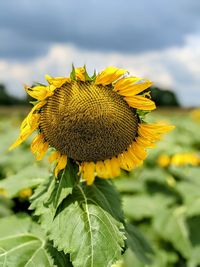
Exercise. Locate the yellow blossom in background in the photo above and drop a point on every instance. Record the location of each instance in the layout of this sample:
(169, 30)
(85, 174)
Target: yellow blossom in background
(118, 264)
(25, 193)
(181, 159)
(3, 192)
(195, 114)
(163, 160)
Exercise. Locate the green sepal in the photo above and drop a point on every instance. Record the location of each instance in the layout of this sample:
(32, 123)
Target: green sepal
(37, 84)
(73, 73)
(87, 77)
(142, 114)
(34, 102)
(93, 77)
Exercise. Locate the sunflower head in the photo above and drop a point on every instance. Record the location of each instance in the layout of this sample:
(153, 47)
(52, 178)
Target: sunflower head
(95, 121)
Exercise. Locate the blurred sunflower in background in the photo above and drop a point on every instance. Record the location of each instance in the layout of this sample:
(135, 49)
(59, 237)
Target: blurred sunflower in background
(195, 114)
(179, 159)
(95, 121)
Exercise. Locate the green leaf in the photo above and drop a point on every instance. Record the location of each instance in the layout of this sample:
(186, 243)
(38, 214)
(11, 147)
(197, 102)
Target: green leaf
(142, 206)
(41, 196)
(22, 243)
(138, 244)
(64, 186)
(60, 258)
(171, 225)
(26, 178)
(128, 185)
(92, 213)
(49, 195)
(162, 258)
(5, 207)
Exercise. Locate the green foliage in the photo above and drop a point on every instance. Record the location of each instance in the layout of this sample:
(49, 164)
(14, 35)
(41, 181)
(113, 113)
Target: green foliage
(29, 177)
(167, 213)
(138, 244)
(22, 243)
(70, 210)
(77, 224)
(5, 207)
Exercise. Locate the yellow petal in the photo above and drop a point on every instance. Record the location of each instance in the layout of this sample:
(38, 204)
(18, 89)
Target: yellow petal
(19, 140)
(140, 102)
(157, 128)
(54, 156)
(115, 167)
(36, 141)
(28, 126)
(89, 172)
(152, 136)
(109, 75)
(80, 73)
(100, 168)
(57, 82)
(153, 132)
(39, 146)
(61, 164)
(144, 142)
(131, 86)
(108, 169)
(136, 161)
(138, 151)
(42, 149)
(126, 161)
(39, 92)
(125, 83)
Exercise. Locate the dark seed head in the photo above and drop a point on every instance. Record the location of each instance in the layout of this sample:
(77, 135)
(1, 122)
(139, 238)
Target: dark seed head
(88, 122)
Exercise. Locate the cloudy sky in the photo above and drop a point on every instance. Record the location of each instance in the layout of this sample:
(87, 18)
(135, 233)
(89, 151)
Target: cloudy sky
(156, 39)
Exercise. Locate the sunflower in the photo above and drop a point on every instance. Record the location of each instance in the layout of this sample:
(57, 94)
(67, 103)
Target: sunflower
(95, 121)
(185, 158)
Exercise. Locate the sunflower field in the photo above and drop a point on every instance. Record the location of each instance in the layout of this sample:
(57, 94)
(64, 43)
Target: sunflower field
(160, 200)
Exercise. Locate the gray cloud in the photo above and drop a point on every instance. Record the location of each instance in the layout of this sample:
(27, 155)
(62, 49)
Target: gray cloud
(28, 28)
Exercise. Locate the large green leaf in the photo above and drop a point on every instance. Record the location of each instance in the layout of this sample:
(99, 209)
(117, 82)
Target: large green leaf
(26, 178)
(171, 225)
(138, 244)
(162, 258)
(138, 207)
(64, 186)
(88, 225)
(94, 210)
(50, 194)
(60, 258)
(5, 207)
(22, 243)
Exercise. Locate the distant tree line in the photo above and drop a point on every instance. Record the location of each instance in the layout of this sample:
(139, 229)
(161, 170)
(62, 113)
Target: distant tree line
(163, 97)
(159, 96)
(9, 100)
